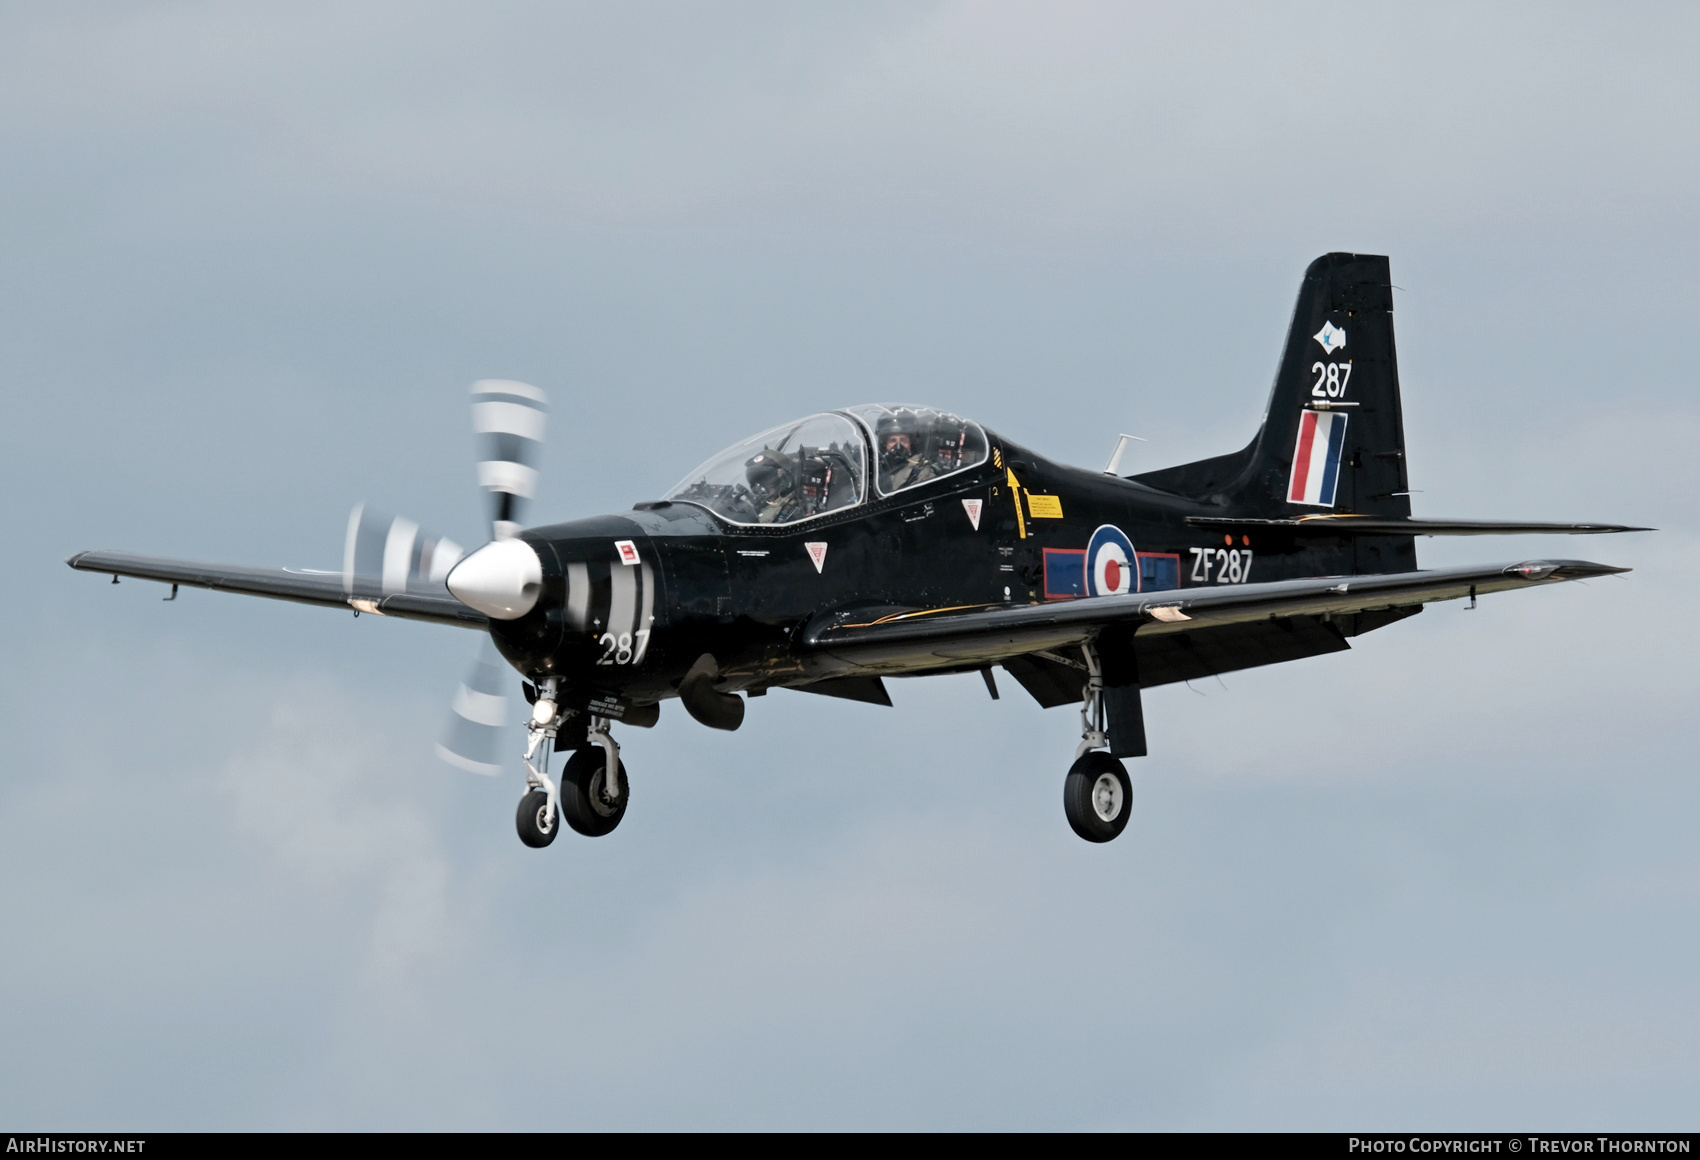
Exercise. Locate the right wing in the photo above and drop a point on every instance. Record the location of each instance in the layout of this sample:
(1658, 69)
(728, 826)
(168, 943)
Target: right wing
(323, 588)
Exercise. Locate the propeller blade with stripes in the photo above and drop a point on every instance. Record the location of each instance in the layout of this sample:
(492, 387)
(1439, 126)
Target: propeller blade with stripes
(508, 420)
(472, 739)
(384, 554)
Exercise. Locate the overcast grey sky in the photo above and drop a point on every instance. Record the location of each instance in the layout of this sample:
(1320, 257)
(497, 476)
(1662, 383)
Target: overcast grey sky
(251, 257)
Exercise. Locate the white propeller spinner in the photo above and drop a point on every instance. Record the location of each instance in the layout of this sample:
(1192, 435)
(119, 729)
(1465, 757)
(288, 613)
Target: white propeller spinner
(503, 579)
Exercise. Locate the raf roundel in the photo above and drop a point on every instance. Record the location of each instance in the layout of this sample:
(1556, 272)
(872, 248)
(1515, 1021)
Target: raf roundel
(1112, 566)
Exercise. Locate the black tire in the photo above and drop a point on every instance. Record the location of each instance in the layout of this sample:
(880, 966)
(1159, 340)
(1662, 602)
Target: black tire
(536, 828)
(1098, 797)
(588, 810)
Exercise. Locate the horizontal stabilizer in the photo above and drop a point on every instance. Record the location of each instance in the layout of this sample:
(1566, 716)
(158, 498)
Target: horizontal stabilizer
(1350, 525)
(304, 587)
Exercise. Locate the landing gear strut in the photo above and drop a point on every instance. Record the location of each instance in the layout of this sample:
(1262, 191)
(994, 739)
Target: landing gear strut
(539, 817)
(593, 784)
(593, 792)
(1097, 794)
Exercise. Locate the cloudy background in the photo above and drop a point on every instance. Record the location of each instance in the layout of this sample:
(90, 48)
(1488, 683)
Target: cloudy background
(251, 257)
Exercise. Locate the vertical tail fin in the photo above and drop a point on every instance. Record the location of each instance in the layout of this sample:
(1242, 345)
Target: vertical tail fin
(1333, 438)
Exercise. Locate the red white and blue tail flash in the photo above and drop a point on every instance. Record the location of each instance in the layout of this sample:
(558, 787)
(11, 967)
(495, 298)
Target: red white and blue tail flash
(1316, 459)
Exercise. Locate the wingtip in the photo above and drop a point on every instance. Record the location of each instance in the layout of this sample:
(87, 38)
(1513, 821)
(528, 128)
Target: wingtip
(1585, 570)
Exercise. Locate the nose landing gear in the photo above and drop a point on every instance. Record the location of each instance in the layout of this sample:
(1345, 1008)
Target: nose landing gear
(593, 793)
(536, 821)
(593, 804)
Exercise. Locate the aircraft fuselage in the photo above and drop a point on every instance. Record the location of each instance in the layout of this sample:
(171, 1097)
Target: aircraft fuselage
(1013, 531)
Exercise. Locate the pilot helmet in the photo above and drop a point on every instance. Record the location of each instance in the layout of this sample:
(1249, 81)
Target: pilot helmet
(903, 422)
(771, 475)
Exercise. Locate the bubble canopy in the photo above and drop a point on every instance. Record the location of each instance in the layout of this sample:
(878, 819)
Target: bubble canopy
(819, 464)
(791, 473)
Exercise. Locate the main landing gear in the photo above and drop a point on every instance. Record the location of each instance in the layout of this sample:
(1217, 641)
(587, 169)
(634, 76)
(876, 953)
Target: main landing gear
(593, 792)
(593, 802)
(1098, 794)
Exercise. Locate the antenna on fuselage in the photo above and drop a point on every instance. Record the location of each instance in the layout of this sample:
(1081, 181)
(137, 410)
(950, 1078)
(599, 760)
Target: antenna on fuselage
(1116, 456)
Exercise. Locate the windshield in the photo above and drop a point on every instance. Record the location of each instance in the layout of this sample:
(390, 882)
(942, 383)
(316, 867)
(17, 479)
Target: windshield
(790, 473)
(915, 445)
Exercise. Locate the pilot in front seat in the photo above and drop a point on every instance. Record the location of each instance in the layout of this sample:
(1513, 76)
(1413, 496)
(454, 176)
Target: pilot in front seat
(773, 482)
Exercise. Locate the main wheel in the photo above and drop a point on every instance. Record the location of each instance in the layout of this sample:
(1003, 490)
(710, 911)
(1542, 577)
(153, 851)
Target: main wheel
(1098, 797)
(536, 828)
(585, 801)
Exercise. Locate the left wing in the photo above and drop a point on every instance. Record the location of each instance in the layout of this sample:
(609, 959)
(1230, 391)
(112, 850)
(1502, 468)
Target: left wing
(324, 588)
(846, 643)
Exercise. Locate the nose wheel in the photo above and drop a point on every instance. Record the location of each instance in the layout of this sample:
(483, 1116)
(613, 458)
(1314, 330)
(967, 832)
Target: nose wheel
(536, 821)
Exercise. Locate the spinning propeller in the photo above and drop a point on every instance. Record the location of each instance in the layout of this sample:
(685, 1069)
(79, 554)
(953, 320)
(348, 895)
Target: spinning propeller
(385, 554)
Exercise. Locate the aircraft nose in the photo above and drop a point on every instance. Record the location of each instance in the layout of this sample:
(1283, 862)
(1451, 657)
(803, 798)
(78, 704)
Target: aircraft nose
(503, 579)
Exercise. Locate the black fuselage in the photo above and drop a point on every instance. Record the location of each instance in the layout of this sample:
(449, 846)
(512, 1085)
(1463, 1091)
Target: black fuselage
(745, 594)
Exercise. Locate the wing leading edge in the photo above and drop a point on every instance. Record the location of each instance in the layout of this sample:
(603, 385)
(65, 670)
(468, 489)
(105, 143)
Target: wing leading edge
(322, 588)
(914, 642)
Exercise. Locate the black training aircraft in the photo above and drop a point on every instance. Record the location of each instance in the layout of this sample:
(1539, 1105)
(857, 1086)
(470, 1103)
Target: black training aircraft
(896, 540)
